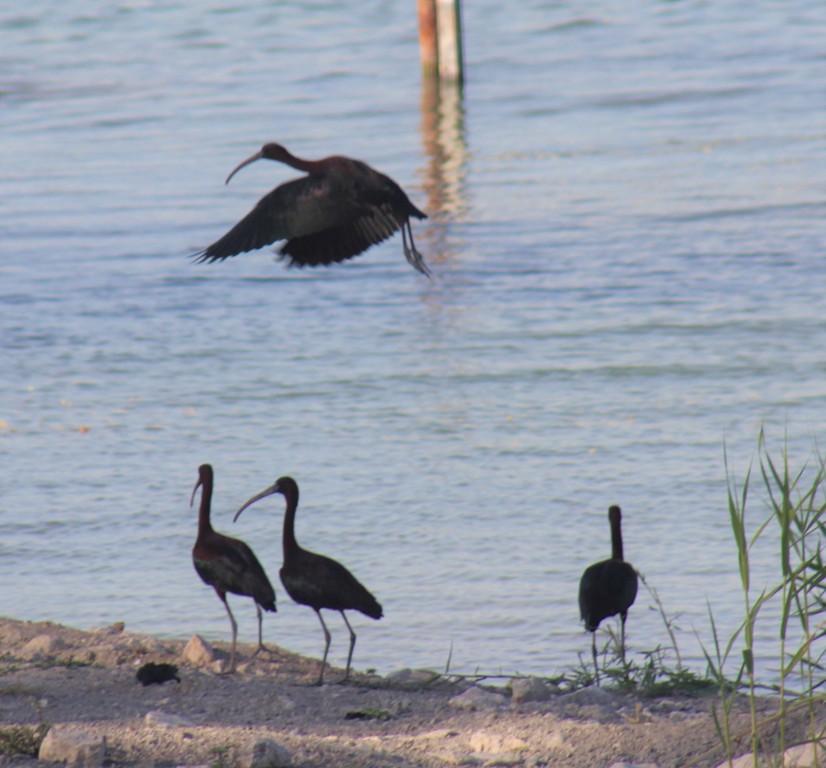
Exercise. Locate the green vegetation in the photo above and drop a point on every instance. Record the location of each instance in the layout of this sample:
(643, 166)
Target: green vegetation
(223, 756)
(797, 513)
(24, 739)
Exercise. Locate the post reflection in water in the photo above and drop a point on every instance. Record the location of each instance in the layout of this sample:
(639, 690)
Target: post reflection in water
(444, 143)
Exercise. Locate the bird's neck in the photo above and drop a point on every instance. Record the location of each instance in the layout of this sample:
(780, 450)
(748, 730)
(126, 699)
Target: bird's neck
(204, 523)
(300, 164)
(616, 540)
(288, 541)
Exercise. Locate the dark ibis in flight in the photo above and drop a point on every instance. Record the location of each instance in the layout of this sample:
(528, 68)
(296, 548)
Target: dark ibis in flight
(227, 564)
(315, 580)
(337, 211)
(608, 588)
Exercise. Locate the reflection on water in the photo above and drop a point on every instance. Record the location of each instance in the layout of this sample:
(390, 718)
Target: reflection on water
(443, 140)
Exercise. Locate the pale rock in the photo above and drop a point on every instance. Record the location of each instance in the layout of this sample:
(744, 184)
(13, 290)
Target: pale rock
(804, 756)
(505, 761)
(633, 765)
(62, 745)
(267, 753)
(456, 758)
(156, 717)
(477, 698)
(113, 629)
(590, 695)
(412, 677)
(482, 741)
(801, 756)
(530, 689)
(198, 652)
(42, 647)
(440, 733)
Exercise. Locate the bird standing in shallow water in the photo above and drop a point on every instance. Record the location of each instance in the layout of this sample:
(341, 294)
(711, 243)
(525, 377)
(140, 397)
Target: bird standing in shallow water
(227, 564)
(607, 588)
(315, 580)
(337, 211)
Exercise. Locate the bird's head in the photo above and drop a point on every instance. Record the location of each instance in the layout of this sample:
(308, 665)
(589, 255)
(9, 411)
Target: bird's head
(204, 478)
(286, 486)
(271, 151)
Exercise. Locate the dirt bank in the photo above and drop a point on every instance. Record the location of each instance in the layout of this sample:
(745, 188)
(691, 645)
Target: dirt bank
(87, 679)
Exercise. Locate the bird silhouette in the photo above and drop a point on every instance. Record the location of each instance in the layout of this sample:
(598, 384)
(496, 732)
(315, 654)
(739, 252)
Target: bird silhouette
(607, 588)
(227, 564)
(337, 211)
(316, 580)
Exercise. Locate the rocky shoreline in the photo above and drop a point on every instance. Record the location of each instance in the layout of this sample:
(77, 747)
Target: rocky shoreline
(82, 685)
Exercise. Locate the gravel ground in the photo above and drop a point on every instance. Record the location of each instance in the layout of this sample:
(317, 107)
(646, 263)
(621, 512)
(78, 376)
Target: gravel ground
(86, 680)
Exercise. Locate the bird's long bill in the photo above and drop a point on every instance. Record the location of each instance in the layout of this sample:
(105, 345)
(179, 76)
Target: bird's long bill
(192, 497)
(257, 156)
(258, 496)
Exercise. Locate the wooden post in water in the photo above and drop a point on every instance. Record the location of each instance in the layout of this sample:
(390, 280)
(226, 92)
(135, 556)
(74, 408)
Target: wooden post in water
(428, 47)
(440, 39)
(448, 23)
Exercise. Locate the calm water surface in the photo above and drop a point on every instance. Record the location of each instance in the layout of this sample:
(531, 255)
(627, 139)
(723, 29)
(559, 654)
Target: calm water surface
(626, 233)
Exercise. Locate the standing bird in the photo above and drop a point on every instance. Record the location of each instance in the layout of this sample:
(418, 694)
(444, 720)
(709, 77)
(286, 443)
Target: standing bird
(228, 565)
(337, 211)
(315, 580)
(607, 588)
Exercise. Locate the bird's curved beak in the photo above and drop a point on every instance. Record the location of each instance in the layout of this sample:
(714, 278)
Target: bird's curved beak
(258, 496)
(192, 497)
(257, 156)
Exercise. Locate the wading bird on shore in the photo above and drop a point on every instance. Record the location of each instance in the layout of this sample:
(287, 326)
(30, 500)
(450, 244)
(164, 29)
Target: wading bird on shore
(337, 211)
(315, 580)
(608, 588)
(227, 564)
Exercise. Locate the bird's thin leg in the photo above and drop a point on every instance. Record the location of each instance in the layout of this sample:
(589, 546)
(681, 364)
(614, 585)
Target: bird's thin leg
(326, 647)
(261, 646)
(352, 645)
(594, 654)
(410, 253)
(234, 633)
(622, 637)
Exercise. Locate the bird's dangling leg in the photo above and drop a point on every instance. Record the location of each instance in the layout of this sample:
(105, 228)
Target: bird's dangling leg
(234, 626)
(320, 680)
(352, 646)
(413, 257)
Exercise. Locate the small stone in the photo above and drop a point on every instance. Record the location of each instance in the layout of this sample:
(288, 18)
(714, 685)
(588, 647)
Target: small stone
(62, 745)
(586, 696)
(42, 647)
(112, 629)
(477, 698)
(801, 756)
(198, 652)
(530, 689)
(267, 753)
(633, 765)
(804, 756)
(156, 717)
(503, 760)
(412, 677)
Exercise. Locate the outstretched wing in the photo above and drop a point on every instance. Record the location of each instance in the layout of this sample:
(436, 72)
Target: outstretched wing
(342, 242)
(296, 208)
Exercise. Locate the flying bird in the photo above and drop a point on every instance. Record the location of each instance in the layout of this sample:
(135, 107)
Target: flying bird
(607, 588)
(227, 564)
(337, 211)
(315, 580)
